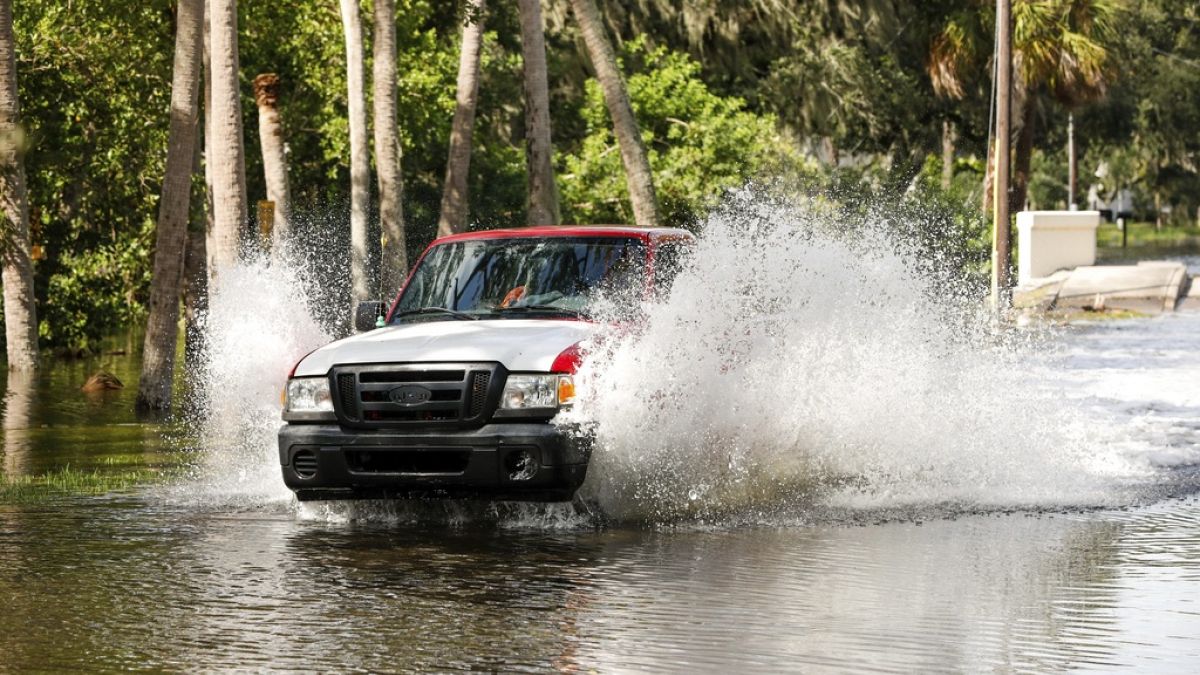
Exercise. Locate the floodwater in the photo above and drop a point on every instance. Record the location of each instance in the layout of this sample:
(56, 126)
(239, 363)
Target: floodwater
(154, 579)
(1077, 552)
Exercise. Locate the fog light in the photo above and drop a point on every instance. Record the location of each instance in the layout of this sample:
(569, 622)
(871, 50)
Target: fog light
(520, 465)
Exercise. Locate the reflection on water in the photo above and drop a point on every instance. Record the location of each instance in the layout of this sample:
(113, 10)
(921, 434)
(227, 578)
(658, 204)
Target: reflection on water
(18, 411)
(151, 581)
(127, 583)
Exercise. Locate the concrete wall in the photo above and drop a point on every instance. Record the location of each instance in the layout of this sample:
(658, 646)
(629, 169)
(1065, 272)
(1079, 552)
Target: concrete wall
(1049, 241)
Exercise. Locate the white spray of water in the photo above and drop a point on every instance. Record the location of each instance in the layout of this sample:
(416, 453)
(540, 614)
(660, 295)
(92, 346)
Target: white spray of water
(793, 368)
(259, 322)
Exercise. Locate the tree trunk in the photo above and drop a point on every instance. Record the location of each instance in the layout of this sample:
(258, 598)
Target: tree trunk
(948, 138)
(543, 197)
(453, 215)
(1023, 155)
(209, 244)
(20, 309)
(195, 268)
(392, 244)
(1072, 164)
(195, 294)
(988, 187)
(270, 135)
(228, 161)
(633, 151)
(20, 400)
(162, 326)
(360, 169)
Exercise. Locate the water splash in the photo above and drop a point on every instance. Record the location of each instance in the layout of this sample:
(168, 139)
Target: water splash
(260, 320)
(803, 367)
(802, 364)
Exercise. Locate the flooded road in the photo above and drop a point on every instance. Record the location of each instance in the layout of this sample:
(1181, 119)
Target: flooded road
(955, 545)
(121, 583)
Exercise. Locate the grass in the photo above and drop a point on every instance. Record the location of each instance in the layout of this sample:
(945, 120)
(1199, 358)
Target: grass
(1146, 235)
(118, 475)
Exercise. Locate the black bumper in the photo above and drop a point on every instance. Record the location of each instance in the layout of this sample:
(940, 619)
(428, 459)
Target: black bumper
(326, 461)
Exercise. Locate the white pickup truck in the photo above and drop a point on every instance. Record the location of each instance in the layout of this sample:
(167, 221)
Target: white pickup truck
(451, 391)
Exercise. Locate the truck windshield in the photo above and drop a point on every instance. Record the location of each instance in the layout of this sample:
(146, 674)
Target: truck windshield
(524, 277)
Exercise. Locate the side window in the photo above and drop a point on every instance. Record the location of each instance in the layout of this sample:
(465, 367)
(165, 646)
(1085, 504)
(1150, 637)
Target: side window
(669, 258)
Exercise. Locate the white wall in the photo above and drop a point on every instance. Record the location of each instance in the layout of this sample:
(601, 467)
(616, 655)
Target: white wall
(1049, 241)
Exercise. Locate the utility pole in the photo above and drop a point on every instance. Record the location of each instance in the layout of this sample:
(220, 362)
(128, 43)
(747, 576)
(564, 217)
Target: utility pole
(1072, 175)
(1001, 256)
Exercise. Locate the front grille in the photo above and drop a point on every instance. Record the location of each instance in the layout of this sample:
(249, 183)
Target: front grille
(348, 394)
(479, 387)
(403, 395)
(304, 462)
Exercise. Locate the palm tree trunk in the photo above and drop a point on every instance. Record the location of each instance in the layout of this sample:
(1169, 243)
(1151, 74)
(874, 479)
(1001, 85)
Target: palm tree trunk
(270, 135)
(20, 400)
(393, 254)
(988, 187)
(948, 136)
(195, 293)
(453, 215)
(195, 266)
(209, 244)
(20, 309)
(1023, 155)
(162, 326)
(543, 197)
(360, 169)
(633, 151)
(228, 161)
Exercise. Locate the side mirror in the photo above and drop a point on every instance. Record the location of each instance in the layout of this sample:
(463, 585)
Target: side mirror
(368, 315)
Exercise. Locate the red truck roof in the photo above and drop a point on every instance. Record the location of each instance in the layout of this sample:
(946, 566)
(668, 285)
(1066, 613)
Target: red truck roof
(546, 231)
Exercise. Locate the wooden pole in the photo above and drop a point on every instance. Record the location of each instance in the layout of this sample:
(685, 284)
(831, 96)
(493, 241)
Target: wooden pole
(1001, 256)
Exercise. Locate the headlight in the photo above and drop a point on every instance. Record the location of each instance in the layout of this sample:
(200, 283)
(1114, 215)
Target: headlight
(308, 395)
(524, 392)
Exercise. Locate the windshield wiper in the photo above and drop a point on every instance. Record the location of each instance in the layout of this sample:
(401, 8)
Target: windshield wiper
(438, 310)
(541, 308)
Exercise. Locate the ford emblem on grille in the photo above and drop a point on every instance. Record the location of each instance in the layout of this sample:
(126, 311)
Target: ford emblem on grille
(409, 395)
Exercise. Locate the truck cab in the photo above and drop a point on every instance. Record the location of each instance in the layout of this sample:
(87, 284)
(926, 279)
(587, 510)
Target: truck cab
(451, 390)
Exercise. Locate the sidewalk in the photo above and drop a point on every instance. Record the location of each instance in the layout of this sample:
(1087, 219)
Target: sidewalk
(1149, 287)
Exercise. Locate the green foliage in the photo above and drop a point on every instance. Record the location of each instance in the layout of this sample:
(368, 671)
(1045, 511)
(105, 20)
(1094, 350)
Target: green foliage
(97, 293)
(95, 89)
(726, 93)
(1048, 182)
(700, 144)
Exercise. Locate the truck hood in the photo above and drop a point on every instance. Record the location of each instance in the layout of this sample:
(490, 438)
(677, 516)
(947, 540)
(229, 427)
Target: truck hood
(518, 344)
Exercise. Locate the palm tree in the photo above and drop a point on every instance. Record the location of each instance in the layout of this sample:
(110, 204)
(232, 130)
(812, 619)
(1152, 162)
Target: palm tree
(209, 229)
(543, 197)
(393, 256)
(954, 56)
(158, 359)
(1058, 48)
(20, 310)
(20, 400)
(453, 215)
(360, 169)
(270, 136)
(228, 160)
(629, 138)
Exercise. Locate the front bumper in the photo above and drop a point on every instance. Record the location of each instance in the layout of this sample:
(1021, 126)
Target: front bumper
(327, 461)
